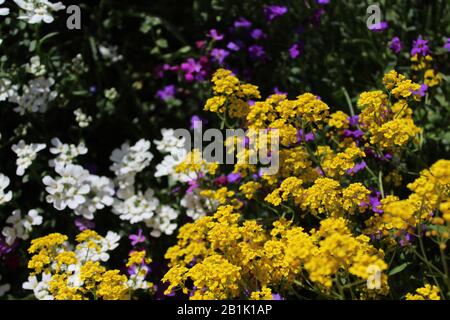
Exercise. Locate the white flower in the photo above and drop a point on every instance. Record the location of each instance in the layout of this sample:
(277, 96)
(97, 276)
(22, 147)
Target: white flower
(35, 67)
(197, 206)
(82, 119)
(37, 11)
(7, 90)
(168, 165)
(100, 196)
(35, 96)
(162, 221)
(127, 162)
(137, 208)
(110, 53)
(4, 183)
(20, 227)
(40, 288)
(131, 160)
(111, 241)
(26, 153)
(69, 189)
(66, 153)
(85, 252)
(169, 142)
(4, 288)
(137, 281)
(3, 12)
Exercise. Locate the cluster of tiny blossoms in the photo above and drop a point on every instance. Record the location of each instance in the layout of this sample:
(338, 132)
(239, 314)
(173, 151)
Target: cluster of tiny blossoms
(76, 273)
(321, 185)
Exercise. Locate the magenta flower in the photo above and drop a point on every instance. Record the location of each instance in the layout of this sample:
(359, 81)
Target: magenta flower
(396, 45)
(379, 27)
(137, 238)
(192, 69)
(420, 46)
(215, 35)
(294, 51)
(274, 11)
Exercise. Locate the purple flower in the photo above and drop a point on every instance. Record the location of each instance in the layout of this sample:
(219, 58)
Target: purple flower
(323, 1)
(276, 296)
(294, 51)
(316, 17)
(234, 177)
(257, 34)
(447, 45)
(233, 46)
(278, 91)
(378, 27)
(215, 35)
(355, 134)
(136, 238)
(242, 23)
(422, 90)
(304, 137)
(219, 55)
(353, 120)
(274, 11)
(167, 93)
(4, 247)
(358, 167)
(256, 51)
(196, 122)
(396, 45)
(420, 46)
(84, 224)
(374, 202)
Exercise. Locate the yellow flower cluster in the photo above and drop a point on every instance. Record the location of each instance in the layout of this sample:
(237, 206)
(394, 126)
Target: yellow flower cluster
(231, 96)
(389, 123)
(428, 292)
(226, 258)
(194, 163)
(73, 275)
(429, 196)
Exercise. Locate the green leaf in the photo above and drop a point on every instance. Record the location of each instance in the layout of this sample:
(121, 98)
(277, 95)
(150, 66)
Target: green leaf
(398, 269)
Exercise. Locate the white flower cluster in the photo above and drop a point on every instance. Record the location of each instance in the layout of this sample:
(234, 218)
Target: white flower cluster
(26, 154)
(100, 196)
(4, 183)
(65, 153)
(127, 162)
(82, 119)
(7, 89)
(35, 67)
(77, 189)
(138, 206)
(37, 11)
(110, 53)
(35, 96)
(176, 153)
(84, 253)
(197, 206)
(20, 228)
